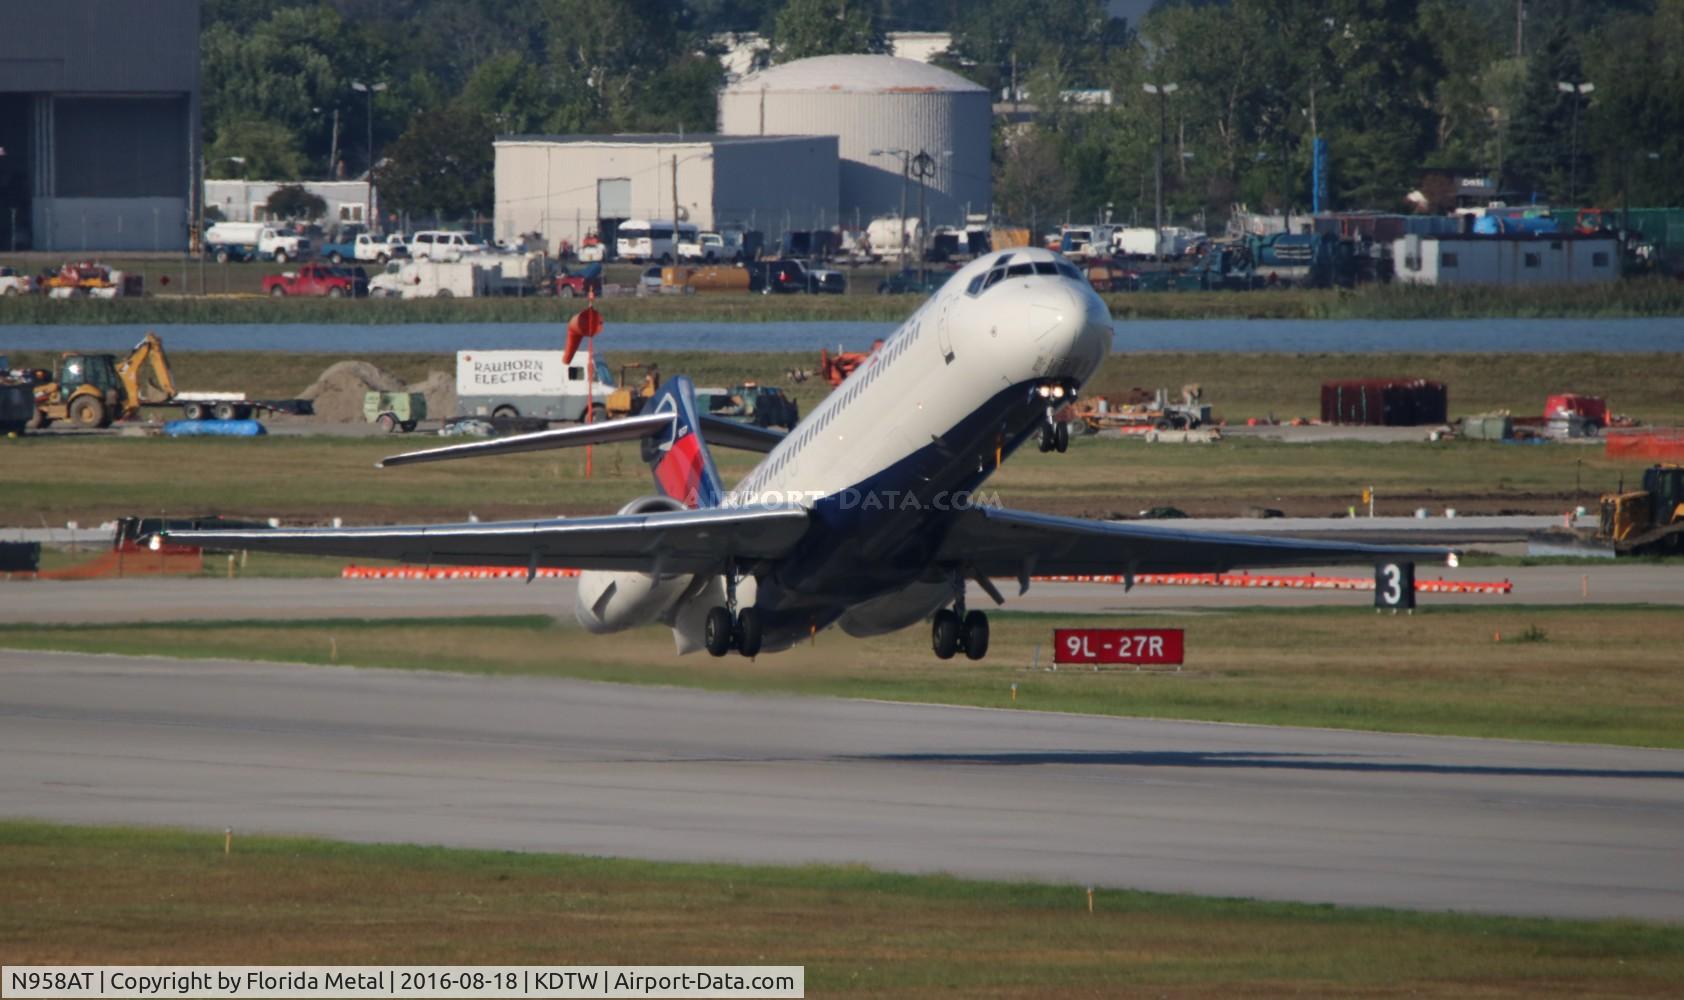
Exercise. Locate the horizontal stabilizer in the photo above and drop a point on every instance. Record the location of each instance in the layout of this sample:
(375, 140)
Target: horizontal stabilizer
(626, 429)
(723, 433)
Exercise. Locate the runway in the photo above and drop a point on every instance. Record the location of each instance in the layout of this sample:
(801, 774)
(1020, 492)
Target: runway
(161, 599)
(569, 766)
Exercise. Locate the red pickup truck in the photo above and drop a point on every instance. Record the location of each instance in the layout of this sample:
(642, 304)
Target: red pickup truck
(318, 279)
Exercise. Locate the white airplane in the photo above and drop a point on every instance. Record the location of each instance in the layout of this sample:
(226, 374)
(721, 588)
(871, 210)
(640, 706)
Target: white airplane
(861, 516)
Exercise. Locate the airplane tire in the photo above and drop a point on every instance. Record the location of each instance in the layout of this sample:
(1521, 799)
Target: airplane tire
(973, 635)
(748, 632)
(716, 634)
(1061, 438)
(944, 634)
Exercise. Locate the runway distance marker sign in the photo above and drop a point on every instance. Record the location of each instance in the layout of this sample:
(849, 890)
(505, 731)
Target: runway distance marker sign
(1137, 646)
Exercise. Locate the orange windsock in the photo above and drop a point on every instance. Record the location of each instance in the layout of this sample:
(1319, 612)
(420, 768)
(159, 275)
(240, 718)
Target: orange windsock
(588, 323)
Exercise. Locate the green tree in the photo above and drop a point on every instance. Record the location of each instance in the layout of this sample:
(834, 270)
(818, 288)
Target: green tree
(1034, 187)
(442, 164)
(261, 150)
(807, 28)
(290, 201)
(1634, 130)
(1540, 157)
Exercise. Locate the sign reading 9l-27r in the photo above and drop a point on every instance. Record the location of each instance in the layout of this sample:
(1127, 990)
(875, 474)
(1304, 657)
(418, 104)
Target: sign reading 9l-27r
(1139, 646)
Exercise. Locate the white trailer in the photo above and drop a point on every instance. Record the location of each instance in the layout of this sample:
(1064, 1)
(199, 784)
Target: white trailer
(1506, 259)
(432, 279)
(530, 384)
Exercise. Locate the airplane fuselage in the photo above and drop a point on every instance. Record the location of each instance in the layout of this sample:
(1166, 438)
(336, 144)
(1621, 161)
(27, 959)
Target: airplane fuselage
(912, 435)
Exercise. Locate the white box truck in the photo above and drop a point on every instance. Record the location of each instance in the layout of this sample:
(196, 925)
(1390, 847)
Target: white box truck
(529, 384)
(431, 279)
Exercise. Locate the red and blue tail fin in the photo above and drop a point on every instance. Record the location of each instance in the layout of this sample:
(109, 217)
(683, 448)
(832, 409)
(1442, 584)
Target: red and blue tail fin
(679, 458)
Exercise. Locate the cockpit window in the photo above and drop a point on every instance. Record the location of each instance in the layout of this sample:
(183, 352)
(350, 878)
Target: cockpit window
(1045, 267)
(1069, 270)
(1020, 269)
(976, 285)
(993, 278)
(1001, 260)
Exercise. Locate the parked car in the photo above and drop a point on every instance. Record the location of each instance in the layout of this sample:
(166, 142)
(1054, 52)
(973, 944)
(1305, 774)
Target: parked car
(823, 280)
(14, 283)
(445, 244)
(650, 279)
(318, 280)
(912, 282)
(587, 281)
(362, 247)
(779, 276)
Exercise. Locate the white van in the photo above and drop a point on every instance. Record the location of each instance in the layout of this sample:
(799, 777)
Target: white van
(445, 244)
(652, 239)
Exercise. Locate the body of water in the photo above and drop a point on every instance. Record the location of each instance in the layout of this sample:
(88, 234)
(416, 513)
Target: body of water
(1662, 334)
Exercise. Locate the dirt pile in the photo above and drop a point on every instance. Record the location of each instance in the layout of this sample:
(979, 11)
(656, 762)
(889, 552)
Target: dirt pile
(338, 394)
(440, 390)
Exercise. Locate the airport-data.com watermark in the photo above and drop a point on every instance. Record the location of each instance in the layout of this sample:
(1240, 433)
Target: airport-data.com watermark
(852, 499)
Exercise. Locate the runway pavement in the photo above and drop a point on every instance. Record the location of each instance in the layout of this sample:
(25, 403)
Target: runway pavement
(160, 599)
(547, 765)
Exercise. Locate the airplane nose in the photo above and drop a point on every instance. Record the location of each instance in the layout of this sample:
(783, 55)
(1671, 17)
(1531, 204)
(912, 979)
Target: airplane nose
(1072, 326)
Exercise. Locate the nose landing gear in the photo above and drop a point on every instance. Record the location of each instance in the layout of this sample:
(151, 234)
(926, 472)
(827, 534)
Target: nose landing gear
(726, 628)
(1055, 433)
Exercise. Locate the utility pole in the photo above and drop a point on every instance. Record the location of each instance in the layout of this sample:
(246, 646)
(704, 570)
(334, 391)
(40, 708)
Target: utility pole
(1577, 93)
(675, 203)
(370, 89)
(926, 168)
(1163, 91)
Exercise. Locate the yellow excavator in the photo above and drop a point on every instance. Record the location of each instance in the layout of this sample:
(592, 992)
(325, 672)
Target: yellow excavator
(92, 390)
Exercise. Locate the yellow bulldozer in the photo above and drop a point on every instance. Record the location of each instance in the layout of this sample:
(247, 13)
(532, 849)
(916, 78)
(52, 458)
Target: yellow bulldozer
(92, 390)
(1649, 521)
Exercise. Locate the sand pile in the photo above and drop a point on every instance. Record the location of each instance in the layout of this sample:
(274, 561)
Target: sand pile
(440, 390)
(338, 394)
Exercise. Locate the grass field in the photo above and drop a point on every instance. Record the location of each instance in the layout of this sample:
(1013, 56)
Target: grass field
(131, 896)
(231, 294)
(1604, 675)
(1238, 386)
(53, 479)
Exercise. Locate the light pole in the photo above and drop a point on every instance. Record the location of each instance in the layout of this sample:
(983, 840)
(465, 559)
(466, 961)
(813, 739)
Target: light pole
(1578, 92)
(370, 89)
(675, 162)
(923, 167)
(905, 173)
(1163, 91)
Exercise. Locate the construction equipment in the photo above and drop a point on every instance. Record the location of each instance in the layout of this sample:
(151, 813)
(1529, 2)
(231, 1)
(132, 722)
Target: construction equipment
(92, 390)
(837, 367)
(625, 400)
(395, 410)
(1649, 521)
(1096, 413)
(751, 402)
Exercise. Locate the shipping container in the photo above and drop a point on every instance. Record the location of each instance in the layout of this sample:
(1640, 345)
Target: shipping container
(1384, 402)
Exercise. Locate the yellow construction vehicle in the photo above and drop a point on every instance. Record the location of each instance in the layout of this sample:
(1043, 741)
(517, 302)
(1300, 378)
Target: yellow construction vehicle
(626, 399)
(92, 390)
(1649, 521)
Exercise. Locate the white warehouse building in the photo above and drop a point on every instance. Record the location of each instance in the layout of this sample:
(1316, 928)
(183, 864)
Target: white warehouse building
(246, 201)
(567, 186)
(1478, 259)
(884, 111)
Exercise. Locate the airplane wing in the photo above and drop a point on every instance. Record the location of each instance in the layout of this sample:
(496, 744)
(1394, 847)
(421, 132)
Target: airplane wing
(685, 541)
(721, 432)
(997, 542)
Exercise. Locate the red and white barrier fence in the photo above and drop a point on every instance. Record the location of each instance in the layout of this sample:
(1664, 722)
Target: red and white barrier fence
(1254, 580)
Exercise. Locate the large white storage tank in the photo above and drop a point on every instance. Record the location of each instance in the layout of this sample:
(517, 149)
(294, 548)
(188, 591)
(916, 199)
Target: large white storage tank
(876, 103)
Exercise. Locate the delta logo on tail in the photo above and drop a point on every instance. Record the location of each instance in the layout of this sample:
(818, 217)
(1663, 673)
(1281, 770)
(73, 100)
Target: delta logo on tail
(682, 465)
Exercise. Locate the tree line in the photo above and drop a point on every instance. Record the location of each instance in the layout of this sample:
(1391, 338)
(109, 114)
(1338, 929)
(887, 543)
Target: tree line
(1391, 86)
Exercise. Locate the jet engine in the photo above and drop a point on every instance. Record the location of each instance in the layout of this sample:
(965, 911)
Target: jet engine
(612, 600)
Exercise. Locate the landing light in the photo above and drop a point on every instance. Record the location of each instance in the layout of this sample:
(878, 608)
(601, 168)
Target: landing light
(1058, 391)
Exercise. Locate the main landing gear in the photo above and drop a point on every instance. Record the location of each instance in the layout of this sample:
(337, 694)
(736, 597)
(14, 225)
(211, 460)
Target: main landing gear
(954, 630)
(727, 628)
